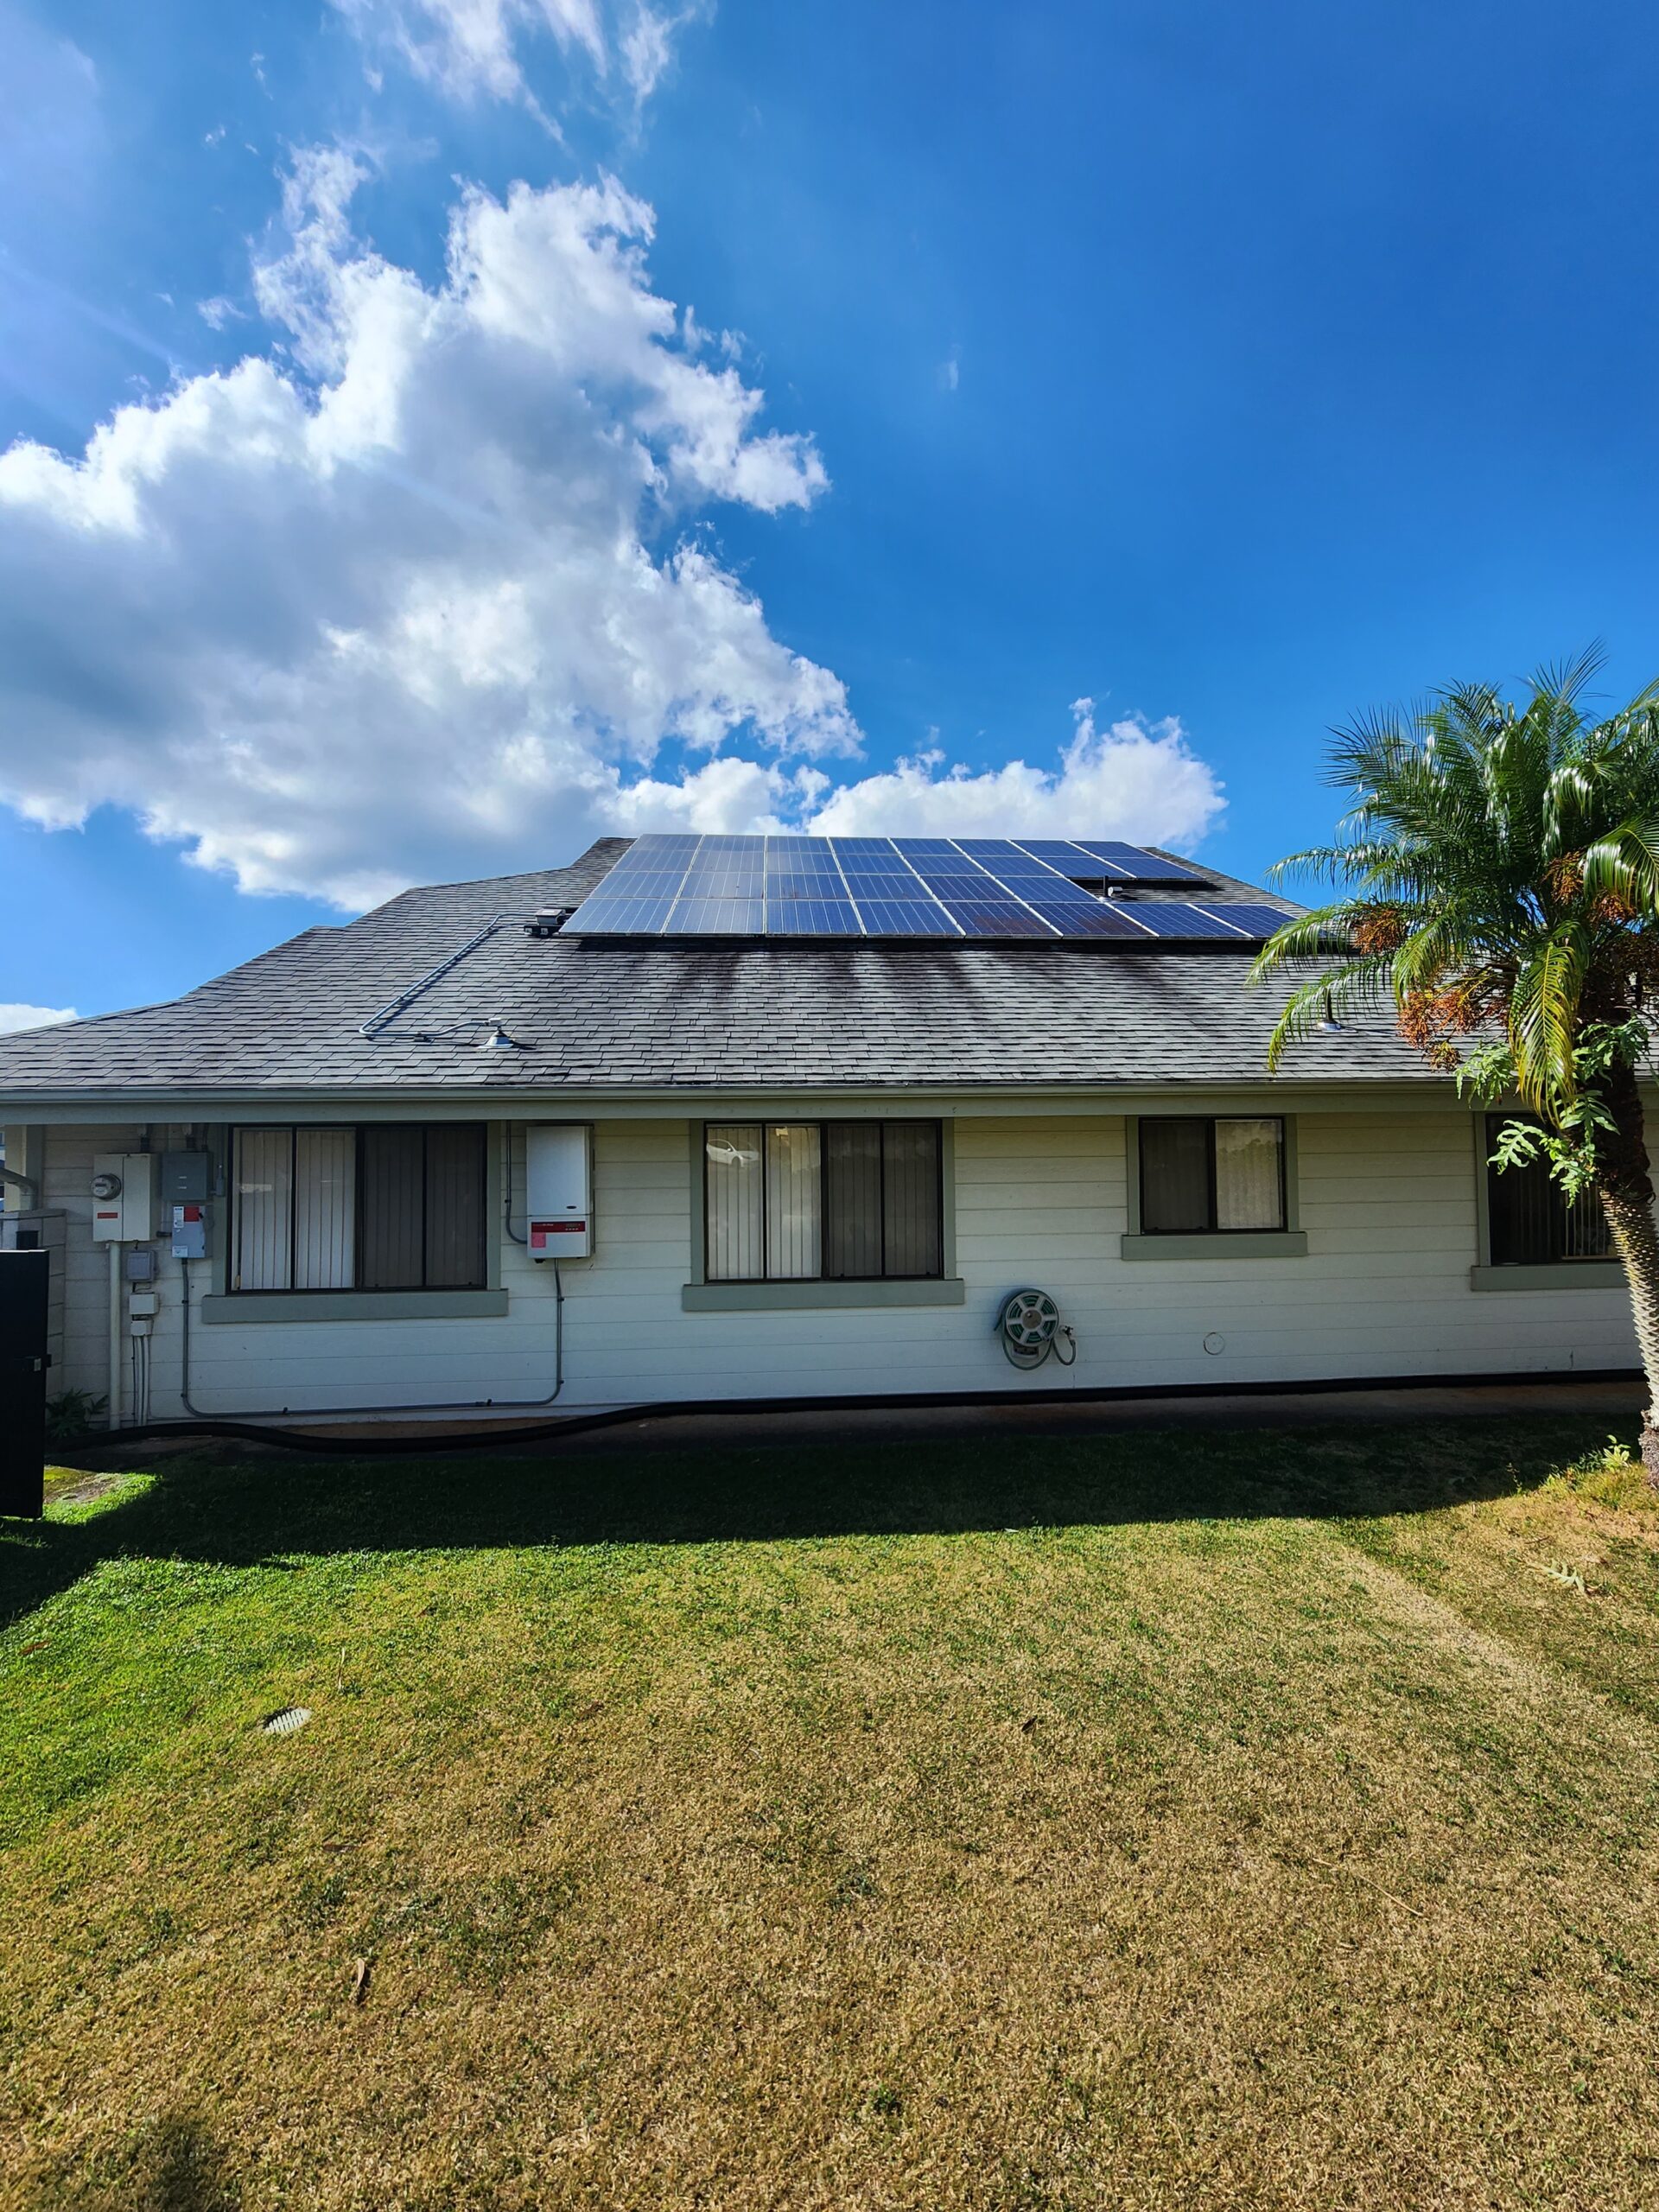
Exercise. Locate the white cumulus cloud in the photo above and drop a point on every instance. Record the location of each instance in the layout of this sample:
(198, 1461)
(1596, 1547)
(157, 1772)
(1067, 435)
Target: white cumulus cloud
(1133, 779)
(14, 1015)
(423, 589)
(422, 597)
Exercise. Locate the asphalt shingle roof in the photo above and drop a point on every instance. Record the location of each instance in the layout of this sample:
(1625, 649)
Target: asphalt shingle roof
(646, 1015)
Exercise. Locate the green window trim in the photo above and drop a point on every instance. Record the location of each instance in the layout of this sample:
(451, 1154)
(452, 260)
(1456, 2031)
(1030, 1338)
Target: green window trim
(1550, 1275)
(804, 1296)
(1286, 1243)
(238, 1308)
(1217, 1244)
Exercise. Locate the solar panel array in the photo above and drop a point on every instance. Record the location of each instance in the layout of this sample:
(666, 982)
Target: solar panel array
(988, 888)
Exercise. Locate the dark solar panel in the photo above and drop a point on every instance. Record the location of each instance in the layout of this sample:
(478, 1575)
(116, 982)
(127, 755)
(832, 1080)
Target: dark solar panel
(1059, 852)
(1136, 864)
(868, 852)
(906, 918)
(984, 887)
(1051, 886)
(1004, 859)
(1175, 918)
(1087, 918)
(873, 883)
(945, 885)
(812, 918)
(997, 918)
(1254, 921)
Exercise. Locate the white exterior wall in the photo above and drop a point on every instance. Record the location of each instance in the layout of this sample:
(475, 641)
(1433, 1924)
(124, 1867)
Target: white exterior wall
(1387, 1202)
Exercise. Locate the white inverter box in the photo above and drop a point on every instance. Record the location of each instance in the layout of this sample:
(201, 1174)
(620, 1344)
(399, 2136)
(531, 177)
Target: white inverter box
(559, 1190)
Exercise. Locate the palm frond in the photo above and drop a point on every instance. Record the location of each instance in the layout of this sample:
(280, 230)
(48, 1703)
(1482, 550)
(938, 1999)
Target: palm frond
(1544, 1015)
(1623, 863)
(1362, 980)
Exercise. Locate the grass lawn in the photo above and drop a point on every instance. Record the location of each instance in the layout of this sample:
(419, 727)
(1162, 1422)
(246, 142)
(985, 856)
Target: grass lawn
(1160, 1820)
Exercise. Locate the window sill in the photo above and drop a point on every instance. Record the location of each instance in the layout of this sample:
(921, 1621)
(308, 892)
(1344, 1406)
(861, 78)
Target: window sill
(234, 1308)
(1551, 1274)
(799, 1297)
(1236, 1245)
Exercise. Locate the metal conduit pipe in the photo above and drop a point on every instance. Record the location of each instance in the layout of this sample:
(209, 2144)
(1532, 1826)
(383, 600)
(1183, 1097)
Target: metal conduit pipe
(436, 1405)
(378, 1021)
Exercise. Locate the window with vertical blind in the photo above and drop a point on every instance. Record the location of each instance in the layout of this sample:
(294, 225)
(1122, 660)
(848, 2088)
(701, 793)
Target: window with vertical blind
(1201, 1176)
(1530, 1222)
(823, 1201)
(388, 1206)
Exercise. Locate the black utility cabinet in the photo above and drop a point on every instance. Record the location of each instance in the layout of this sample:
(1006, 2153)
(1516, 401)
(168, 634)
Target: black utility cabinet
(23, 1278)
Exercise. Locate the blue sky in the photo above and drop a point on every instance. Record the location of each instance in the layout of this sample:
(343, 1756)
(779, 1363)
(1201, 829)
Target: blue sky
(1234, 370)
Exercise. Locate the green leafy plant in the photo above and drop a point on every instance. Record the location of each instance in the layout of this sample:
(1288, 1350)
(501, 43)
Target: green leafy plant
(73, 1415)
(1498, 879)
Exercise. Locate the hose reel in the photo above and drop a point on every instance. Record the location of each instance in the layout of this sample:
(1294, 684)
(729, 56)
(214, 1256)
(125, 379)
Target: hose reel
(1029, 1324)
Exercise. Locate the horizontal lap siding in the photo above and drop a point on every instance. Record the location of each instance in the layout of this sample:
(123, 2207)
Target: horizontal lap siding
(1388, 1204)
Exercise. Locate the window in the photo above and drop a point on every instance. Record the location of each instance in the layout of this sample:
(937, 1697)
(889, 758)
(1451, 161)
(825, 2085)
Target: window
(822, 1201)
(1530, 1222)
(1200, 1177)
(392, 1206)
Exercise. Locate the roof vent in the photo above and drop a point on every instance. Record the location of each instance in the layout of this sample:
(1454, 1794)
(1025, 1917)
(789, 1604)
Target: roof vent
(548, 921)
(500, 1040)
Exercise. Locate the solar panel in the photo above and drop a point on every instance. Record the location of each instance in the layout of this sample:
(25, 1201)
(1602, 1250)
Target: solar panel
(998, 918)
(812, 918)
(906, 918)
(718, 918)
(987, 888)
(1070, 860)
(1175, 918)
(963, 885)
(1004, 859)
(1087, 918)
(922, 852)
(1051, 886)
(1137, 865)
(869, 853)
(623, 917)
(1254, 921)
(871, 883)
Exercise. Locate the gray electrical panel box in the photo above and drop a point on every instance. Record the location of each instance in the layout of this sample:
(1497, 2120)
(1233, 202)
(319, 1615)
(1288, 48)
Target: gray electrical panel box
(189, 1232)
(186, 1179)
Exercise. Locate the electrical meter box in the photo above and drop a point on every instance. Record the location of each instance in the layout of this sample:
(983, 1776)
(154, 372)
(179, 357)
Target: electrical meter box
(123, 1197)
(559, 1190)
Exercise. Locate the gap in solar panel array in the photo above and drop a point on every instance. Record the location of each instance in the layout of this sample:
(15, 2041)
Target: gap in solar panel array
(978, 888)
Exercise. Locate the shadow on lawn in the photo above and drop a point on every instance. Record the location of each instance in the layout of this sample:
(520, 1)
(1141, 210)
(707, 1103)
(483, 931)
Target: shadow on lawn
(218, 1504)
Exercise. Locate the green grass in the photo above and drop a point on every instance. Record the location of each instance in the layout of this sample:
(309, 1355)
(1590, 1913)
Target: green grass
(1163, 1821)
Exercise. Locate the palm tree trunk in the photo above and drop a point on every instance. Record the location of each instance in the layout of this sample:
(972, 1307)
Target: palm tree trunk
(1626, 1188)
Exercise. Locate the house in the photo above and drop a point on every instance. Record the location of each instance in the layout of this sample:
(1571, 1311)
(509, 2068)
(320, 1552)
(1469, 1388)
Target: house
(718, 1119)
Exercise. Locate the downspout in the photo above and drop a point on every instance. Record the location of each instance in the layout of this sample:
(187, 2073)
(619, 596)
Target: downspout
(115, 1333)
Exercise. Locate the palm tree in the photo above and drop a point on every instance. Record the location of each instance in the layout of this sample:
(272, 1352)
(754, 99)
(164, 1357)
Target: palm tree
(1498, 879)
